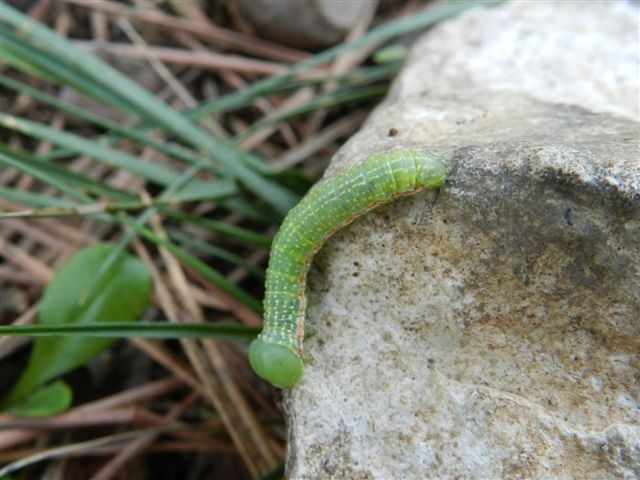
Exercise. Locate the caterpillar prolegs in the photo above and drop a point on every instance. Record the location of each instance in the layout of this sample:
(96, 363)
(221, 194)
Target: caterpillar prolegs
(276, 355)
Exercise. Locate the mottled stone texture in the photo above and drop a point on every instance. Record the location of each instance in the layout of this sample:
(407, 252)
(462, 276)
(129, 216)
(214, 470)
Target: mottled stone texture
(582, 52)
(491, 329)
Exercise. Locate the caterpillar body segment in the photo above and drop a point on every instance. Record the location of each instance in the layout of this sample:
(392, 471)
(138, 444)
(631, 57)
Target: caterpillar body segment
(276, 355)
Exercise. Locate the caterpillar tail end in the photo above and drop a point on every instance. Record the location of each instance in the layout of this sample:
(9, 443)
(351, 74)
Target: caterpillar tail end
(275, 363)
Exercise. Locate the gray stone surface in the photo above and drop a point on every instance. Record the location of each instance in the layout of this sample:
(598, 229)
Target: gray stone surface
(577, 52)
(492, 329)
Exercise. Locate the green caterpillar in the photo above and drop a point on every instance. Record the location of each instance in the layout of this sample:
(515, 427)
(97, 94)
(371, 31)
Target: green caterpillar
(276, 355)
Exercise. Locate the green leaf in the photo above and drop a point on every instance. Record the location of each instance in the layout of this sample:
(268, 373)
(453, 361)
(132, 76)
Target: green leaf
(96, 285)
(44, 401)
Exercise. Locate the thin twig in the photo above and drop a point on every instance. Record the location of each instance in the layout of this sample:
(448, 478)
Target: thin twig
(206, 60)
(220, 37)
(137, 394)
(111, 469)
(318, 141)
(19, 257)
(63, 451)
(243, 427)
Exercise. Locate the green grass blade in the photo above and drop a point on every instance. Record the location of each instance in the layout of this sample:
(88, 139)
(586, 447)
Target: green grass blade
(137, 134)
(326, 100)
(420, 20)
(215, 252)
(201, 267)
(90, 148)
(196, 264)
(148, 106)
(70, 178)
(37, 62)
(43, 176)
(33, 199)
(220, 331)
(242, 235)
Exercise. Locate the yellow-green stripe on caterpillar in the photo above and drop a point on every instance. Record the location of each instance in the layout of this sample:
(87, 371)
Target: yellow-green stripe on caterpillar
(276, 355)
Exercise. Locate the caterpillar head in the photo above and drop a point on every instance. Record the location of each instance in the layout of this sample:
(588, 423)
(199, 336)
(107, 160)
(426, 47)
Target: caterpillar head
(276, 364)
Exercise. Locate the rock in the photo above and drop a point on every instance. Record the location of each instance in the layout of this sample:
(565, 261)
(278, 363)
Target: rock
(580, 52)
(308, 24)
(491, 329)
